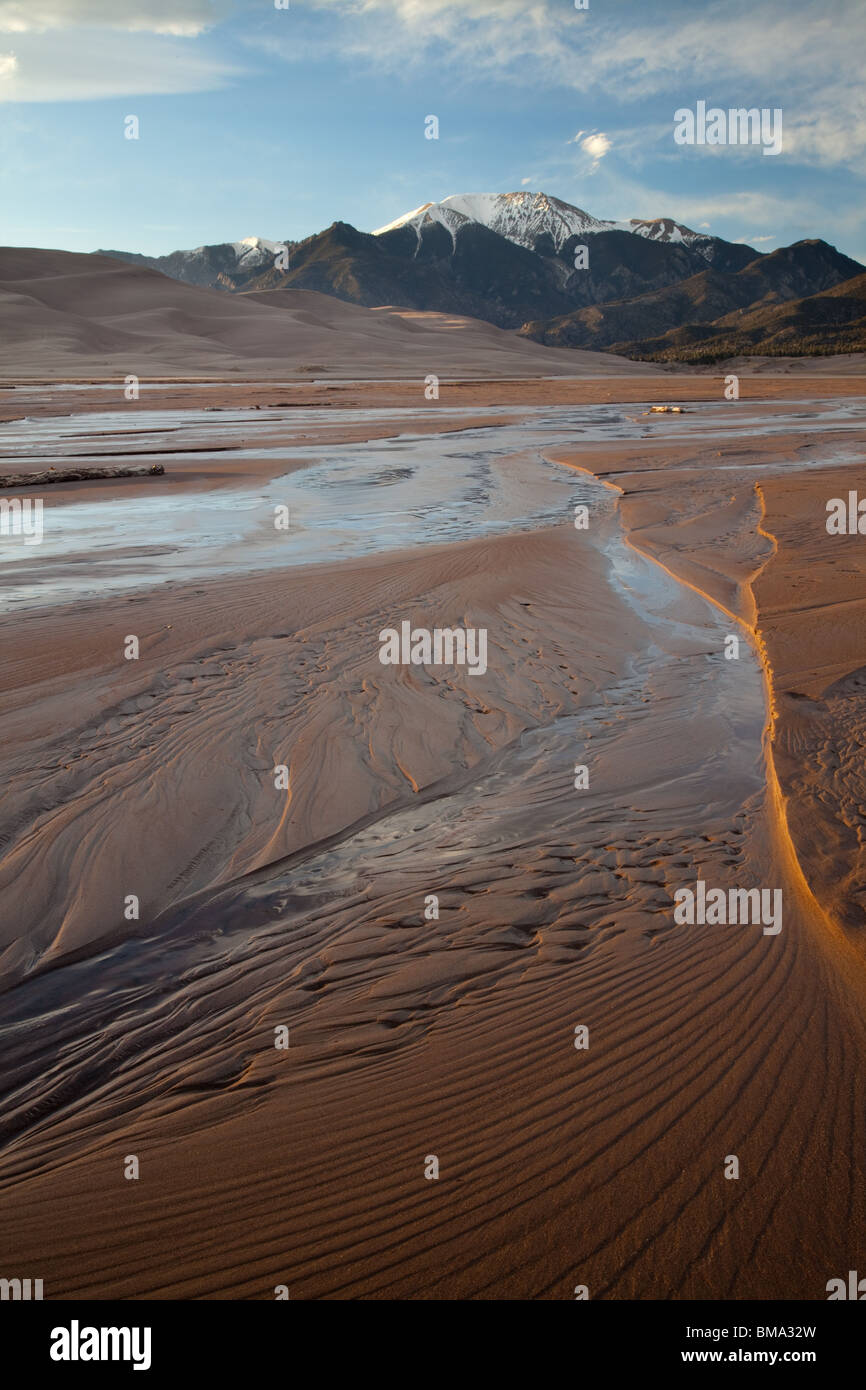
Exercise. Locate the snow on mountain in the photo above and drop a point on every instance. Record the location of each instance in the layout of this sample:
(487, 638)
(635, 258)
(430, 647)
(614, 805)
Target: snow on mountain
(522, 217)
(255, 250)
(519, 217)
(251, 252)
(663, 229)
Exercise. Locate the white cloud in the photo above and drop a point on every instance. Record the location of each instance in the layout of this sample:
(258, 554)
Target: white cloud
(596, 145)
(70, 67)
(759, 209)
(828, 135)
(484, 36)
(79, 50)
(627, 56)
(181, 18)
(512, 33)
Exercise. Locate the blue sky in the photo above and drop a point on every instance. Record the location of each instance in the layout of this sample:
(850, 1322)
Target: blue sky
(276, 122)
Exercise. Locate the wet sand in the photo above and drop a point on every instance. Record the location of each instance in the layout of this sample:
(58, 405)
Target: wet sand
(306, 908)
(608, 381)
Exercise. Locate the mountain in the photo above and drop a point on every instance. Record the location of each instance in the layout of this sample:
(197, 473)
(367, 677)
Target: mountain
(818, 325)
(528, 219)
(535, 221)
(682, 322)
(531, 262)
(225, 266)
(505, 257)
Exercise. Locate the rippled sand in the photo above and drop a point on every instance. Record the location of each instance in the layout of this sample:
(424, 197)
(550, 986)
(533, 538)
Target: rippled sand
(454, 1036)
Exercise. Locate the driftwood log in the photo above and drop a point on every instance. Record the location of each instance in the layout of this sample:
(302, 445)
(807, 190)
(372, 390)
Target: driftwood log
(77, 475)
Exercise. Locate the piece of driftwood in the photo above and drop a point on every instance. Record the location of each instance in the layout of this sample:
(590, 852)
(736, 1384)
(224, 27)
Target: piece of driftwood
(77, 475)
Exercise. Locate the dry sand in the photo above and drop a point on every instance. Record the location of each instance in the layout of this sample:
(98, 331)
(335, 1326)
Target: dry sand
(455, 1037)
(68, 316)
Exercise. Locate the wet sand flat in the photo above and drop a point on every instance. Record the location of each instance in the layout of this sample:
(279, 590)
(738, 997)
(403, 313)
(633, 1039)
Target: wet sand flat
(304, 906)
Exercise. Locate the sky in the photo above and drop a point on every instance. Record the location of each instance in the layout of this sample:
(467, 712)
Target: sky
(255, 120)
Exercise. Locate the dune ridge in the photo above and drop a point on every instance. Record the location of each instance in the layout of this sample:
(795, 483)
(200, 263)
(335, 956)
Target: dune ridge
(69, 316)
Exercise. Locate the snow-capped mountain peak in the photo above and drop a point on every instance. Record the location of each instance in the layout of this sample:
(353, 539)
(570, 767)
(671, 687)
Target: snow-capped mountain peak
(523, 217)
(255, 250)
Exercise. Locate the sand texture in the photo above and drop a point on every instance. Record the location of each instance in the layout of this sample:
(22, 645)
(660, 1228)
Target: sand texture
(303, 905)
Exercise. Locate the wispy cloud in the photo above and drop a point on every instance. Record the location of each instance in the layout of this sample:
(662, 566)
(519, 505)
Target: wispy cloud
(628, 58)
(79, 50)
(68, 67)
(829, 134)
(182, 18)
(621, 54)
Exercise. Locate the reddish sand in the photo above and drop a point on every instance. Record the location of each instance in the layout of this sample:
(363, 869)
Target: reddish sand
(451, 1036)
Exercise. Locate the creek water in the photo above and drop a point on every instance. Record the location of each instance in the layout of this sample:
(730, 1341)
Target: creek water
(343, 500)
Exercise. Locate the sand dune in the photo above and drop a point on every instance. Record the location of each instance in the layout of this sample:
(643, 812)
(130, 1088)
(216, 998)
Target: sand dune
(70, 316)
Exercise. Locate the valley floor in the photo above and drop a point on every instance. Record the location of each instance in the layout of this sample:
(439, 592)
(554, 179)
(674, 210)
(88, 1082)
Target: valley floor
(262, 907)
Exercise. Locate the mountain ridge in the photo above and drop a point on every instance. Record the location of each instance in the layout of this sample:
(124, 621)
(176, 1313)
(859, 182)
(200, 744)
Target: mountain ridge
(685, 318)
(523, 217)
(532, 263)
